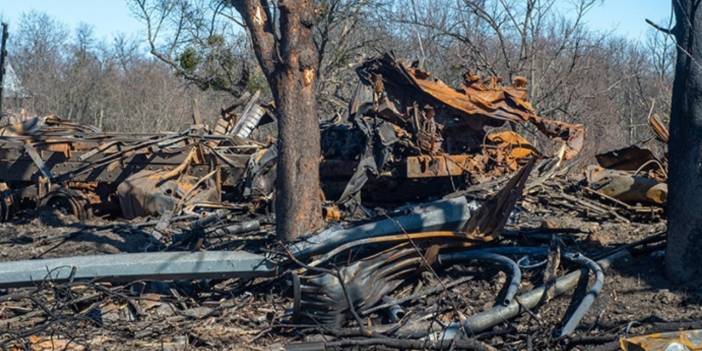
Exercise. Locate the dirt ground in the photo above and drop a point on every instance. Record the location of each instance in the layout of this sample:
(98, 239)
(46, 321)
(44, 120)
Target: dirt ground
(255, 315)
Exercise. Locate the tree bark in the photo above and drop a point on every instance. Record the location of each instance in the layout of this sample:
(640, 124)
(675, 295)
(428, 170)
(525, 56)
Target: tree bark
(685, 147)
(290, 63)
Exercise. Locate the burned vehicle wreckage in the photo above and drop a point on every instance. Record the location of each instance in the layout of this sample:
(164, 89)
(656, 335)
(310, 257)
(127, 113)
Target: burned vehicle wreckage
(404, 128)
(423, 183)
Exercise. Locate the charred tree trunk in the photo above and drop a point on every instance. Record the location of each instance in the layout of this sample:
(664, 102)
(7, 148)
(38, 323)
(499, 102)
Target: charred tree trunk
(3, 55)
(290, 63)
(685, 147)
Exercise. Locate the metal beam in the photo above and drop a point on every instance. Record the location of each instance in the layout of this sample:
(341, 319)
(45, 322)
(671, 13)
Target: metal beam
(137, 266)
(449, 214)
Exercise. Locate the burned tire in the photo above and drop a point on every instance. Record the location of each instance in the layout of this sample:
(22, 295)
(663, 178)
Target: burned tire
(67, 201)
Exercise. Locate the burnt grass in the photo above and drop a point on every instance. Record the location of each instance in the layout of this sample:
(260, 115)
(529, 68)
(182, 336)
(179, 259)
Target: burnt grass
(255, 315)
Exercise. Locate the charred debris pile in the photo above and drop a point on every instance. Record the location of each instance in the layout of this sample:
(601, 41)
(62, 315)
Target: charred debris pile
(435, 207)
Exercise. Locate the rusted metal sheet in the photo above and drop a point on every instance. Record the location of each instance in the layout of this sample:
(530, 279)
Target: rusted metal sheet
(475, 96)
(146, 193)
(659, 129)
(425, 166)
(509, 150)
(477, 102)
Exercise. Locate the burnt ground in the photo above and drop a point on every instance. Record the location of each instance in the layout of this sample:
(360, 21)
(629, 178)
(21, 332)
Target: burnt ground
(255, 315)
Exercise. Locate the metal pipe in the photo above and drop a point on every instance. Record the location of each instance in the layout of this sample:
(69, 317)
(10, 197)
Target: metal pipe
(208, 219)
(488, 319)
(136, 266)
(394, 311)
(238, 228)
(514, 271)
(515, 250)
(589, 298)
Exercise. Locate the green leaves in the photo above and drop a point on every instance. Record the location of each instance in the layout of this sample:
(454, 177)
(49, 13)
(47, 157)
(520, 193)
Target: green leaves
(189, 59)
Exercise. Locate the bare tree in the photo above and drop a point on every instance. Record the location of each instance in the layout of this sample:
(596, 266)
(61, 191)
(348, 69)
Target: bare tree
(203, 41)
(685, 180)
(283, 40)
(108, 84)
(607, 82)
(346, 31)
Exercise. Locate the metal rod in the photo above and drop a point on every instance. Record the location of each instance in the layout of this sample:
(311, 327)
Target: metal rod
(137, 266)
(237, 228)
(589, 298)
(487, 319)
(514, 271)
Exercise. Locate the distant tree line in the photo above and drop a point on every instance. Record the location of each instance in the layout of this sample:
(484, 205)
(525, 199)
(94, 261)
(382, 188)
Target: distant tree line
(199, 49)
(112, 85)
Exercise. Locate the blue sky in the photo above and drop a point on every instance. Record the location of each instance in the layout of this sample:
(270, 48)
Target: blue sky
(108, 17)
(627, 17)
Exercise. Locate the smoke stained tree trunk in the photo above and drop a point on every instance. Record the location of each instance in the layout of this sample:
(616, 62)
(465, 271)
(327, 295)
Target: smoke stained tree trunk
(289, 61)
(684, 248)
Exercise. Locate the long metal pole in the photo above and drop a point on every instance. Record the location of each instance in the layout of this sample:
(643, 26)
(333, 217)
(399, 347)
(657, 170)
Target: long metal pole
(171, 265)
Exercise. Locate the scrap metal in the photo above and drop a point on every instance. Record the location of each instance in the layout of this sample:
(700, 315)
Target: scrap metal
(449, 214)
(136, 266)
(411, 126)
(409, 138)
(141, 174)
(476, 102)
(487, 319)
(406, 132)
(330, 297)
(684, 340)
(633, 175)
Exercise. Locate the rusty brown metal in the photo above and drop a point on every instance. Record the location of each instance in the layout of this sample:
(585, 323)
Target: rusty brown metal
(477, 103)
(659, 128)
(146, 193)
(627, 187)
(490, 99)
(41, 156)
(510, 150)
(425, 166)
(675, 340)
